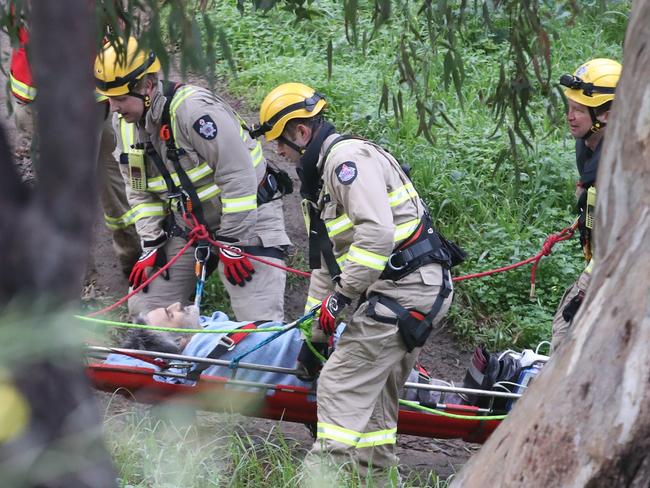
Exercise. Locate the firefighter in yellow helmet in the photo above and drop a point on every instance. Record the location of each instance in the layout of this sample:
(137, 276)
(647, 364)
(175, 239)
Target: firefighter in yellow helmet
(374, 251)
(590, 93)
(186, 154)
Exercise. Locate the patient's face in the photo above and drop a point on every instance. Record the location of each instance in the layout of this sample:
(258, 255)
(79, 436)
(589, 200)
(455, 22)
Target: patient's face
(175, 316)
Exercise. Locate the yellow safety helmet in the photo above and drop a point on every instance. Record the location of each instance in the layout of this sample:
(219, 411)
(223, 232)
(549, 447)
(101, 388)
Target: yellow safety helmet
(117, 75)
(593, 83)
(284, 103)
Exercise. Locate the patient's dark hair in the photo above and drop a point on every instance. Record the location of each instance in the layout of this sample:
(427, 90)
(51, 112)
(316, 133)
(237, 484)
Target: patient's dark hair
(149, 340)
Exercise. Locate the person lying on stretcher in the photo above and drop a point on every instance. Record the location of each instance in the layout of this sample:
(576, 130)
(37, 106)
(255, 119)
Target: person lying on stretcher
(281, 352)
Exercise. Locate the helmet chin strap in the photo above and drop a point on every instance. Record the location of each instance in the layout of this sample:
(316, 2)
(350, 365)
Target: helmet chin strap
(292, 145)
(596, 125)
(146, 100)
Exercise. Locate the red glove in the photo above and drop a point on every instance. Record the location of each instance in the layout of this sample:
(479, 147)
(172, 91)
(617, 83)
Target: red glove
(236, 268)
(150, 258)
(332, 306)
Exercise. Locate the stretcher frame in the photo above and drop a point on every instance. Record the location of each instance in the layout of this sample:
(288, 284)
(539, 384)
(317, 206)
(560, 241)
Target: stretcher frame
(275, 402)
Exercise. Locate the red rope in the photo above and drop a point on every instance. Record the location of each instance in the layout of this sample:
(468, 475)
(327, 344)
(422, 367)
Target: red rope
(550, 241)
(149, 280)
(200, 233)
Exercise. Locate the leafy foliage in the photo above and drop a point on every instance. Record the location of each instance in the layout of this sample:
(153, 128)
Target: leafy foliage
(462, 91)
(498, 203)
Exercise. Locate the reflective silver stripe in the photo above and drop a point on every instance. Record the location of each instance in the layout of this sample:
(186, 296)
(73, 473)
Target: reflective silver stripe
(338, 225)
(240, 204)
(311, 303)
(378, 438)
(339, 145)
(256, 155)
(181, 94)
(158, 185)
(355, 439)
(21, 89)
(208, 192)
(133, 215)
(367, 258)
(402, 231)
(336, 433)
(402, 194)
(127, 130)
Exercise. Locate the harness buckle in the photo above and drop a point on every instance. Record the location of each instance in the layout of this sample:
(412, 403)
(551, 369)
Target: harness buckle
(228, 342)
(393, 266)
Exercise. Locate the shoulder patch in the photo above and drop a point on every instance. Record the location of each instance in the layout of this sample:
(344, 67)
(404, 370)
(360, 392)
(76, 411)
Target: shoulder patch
(205, 127)
(346, 172)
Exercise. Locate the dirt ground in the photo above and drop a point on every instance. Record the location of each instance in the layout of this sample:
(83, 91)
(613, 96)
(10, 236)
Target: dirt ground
(441, 356)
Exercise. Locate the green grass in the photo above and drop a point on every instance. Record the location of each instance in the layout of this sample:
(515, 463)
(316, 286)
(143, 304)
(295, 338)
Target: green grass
(172, 447)
(499, 208)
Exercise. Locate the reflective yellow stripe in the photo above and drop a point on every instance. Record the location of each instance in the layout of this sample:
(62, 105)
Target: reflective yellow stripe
(402, 231)
(158, 185)
(336, 433)
(340, 145)
(127, 130)
(181, 94)
(338, 225)
(256, 155)
(100, 98)
(21, 89)
(341, 260)
(378, 438)
(353, 438)
(590, 267)
(366, 258)
(208, 192)
(241, 204)
(133, 215)
(311, 303)
(402, 194)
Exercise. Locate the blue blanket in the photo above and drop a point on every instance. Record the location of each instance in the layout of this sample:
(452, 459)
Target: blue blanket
(282, 352)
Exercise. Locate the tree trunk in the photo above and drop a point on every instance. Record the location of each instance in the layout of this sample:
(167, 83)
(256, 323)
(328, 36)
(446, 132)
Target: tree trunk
(586, 419)
(44, 238)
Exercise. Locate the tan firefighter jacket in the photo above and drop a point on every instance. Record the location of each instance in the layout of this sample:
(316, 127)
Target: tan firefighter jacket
(223, 162)
(369, 207)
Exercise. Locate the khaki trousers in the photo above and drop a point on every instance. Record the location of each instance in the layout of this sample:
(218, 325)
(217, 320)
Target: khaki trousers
(359, 386)
(126, 242)
(260, 299)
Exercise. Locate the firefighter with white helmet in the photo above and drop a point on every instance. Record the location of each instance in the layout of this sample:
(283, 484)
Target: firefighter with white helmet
(590, 92)
(185, 154)
(372, 244)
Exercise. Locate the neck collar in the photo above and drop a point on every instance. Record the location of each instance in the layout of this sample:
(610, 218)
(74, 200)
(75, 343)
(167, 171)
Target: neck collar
(310, 181)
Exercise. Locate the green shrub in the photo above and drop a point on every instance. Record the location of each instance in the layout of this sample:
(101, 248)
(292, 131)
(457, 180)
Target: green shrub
(498, 207)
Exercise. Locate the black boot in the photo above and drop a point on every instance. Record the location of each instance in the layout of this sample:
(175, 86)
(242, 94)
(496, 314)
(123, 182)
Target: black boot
(308, 365)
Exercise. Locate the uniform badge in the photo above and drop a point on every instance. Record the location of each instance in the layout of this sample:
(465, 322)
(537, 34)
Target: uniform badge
(205, 127)
(346, 172)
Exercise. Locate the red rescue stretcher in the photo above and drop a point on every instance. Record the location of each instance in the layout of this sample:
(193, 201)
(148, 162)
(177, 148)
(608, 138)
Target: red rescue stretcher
(275, 402)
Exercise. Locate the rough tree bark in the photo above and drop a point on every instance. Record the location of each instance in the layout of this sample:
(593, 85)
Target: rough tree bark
(586, 419)
(44, 240)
